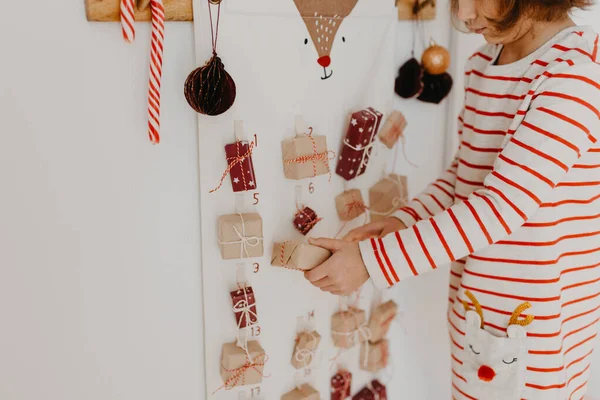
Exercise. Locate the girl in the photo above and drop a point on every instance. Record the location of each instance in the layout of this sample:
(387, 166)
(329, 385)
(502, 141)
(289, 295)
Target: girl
(517, 213)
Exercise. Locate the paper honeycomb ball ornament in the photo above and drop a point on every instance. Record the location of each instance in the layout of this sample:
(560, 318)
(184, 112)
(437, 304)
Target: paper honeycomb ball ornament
(210, 90)
(408, 82)
(436, 59)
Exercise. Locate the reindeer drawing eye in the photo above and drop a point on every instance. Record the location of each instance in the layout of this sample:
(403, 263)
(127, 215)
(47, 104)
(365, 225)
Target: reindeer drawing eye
(306, 41)
(473, 350)
(514, 360)
(344, 39)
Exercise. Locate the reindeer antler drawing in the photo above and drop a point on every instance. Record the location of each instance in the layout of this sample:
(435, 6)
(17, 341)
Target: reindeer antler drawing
(478, 309)
(514, 319)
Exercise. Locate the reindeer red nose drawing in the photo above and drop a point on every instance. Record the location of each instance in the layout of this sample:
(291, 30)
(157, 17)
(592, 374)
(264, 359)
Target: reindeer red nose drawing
(495, 366)
(323, 19)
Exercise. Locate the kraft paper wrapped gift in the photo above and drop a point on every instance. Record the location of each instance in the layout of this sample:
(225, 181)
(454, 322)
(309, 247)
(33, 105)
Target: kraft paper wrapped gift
(298, 255)
(341, 385)
(350, 204)
(305, 156)
(374, 391)
(348, 328)
(392, 129)
(244, 306)
(240, 236)
(374, 356)
(381, 319)
(387, 196)
(305, 349)
(237, 369)
(304, 392)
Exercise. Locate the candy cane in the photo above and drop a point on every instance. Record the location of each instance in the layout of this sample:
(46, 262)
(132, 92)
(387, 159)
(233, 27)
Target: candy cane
(156, 57)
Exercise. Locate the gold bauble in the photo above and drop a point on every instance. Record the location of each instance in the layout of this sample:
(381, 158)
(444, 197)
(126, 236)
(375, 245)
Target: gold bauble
(436, 60)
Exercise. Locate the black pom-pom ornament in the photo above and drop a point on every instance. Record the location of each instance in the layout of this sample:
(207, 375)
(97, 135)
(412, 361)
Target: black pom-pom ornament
(435, 87)
(408, 83)
(210, 90)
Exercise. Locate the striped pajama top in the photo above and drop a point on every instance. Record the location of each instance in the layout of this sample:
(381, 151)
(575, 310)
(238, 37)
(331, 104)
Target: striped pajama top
(517, 215)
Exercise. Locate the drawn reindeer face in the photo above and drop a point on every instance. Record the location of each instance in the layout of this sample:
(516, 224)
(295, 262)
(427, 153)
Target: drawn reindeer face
(493, 366)
(323, 19)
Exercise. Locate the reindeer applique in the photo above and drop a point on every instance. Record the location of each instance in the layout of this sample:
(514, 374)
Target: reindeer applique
(323, 19)
(493, 366)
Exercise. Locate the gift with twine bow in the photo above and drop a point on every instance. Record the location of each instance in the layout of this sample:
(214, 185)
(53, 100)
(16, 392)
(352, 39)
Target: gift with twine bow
(381, 320)
(350, 204)
(305, 349)
(297, 255)
(306, 156)
(239, 167)
(244, 306)
(373, 391)
(374, 356)
(358, 143)
(348, 328)
(242, 365)
(240, 236)
(387, 196)
(341, 384)
(302, 392)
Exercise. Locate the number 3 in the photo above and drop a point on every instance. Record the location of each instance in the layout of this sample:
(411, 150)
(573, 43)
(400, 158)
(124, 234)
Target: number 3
(256, 267)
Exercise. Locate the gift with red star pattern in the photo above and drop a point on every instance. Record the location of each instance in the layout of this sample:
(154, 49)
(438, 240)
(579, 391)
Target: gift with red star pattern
(358, 143)
(239, 159)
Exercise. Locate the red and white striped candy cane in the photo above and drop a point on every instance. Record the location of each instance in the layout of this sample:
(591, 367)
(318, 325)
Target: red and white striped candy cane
(156, 57)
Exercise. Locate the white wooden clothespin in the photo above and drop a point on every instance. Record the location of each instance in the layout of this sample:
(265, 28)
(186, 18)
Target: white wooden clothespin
(240, 275)
(238, 130)
(298, 195)
(239, 203)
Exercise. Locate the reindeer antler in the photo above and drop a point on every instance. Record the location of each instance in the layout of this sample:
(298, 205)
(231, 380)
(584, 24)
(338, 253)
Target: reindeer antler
(514, 319)
(478, 309)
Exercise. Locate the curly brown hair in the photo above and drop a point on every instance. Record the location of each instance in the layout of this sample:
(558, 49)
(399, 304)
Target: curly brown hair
(511, 11)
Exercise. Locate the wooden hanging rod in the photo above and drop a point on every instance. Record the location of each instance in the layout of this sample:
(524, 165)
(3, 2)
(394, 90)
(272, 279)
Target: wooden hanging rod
(108, 10)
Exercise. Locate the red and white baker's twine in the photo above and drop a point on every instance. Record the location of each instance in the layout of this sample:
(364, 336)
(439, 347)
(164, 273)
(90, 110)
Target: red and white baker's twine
(156, 57)
(233, 161)
(323, 157)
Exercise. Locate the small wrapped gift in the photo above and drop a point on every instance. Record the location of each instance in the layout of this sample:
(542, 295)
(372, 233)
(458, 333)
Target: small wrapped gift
(392, 129)
(305, 219)
(357, 145)
(373, 391)
(239, 368)
(348, 328)
(305, 349)
(304, 392)
(387, 196)
(305, 156)
(381, 319)
(350, 204)
(298, 255)
(341, 384)
(240, 236)
(244, 306)
(239, 160)
(374, 356)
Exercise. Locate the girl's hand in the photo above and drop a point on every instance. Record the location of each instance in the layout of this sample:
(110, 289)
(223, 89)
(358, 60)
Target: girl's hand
(376, 229)
(344, 272)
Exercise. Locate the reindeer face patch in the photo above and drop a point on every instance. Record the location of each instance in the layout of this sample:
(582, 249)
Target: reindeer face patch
(493, 366)
(323, 19)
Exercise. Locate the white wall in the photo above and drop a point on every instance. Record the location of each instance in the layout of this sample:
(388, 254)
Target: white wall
(99, 230)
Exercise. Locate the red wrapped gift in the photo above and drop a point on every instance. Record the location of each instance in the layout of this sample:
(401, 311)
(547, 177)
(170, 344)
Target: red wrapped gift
(358, 143)
(244, 306)
(239, 166)
(341, 385)
(373, 391)
(305, 219)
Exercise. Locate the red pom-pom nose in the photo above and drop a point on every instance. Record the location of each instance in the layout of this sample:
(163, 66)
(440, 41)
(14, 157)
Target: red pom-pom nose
(486, 374)
(324, 61)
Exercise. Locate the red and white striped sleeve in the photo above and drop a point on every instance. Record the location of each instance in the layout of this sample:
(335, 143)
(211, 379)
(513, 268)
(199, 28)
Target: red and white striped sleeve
(561, 123)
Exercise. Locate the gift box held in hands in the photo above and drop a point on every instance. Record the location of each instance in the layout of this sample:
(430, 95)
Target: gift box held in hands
(239, 368)
(304, 392)
(305, 219)
(240, 236)
(373, 391)
(387, 196)
(244, 307)
(305, 156)
(392, 129)
(374, 356)
(298, 255)
(348, 328)
(239, 158)
(350, 204)
(305, 349)
(341, 385)
(357, 145)
(381, 320)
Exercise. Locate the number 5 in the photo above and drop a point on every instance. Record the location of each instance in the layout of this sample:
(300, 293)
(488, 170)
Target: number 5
(256, 198)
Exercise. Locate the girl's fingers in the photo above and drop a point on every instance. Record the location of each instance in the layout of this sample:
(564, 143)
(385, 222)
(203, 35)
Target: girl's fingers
(323, 282)
(330, 288)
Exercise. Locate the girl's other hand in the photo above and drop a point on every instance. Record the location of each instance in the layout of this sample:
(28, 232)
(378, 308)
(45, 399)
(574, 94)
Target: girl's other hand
(376, 229)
